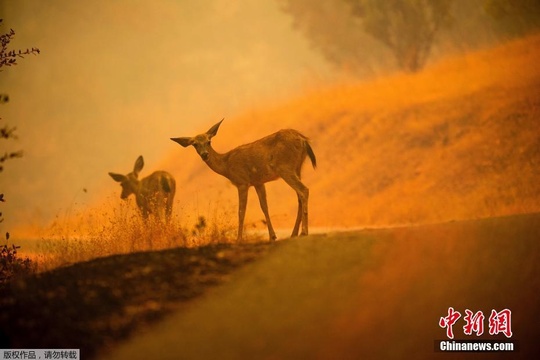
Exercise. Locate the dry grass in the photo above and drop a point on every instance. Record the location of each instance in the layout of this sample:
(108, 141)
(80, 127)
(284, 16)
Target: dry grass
(94, 304)
(117, 228)
(458, 140)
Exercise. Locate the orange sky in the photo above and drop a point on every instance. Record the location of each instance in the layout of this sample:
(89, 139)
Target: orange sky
(116, 79)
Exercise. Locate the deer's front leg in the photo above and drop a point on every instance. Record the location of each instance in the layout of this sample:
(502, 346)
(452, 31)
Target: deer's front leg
(144, 212)
(242, 203)
(261, 192)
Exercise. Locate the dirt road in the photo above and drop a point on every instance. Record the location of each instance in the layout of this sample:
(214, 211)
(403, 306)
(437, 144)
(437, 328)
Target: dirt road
(373, 294)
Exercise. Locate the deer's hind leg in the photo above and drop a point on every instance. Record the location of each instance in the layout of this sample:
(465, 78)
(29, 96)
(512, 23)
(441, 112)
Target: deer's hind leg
(298, 219)
(303, 195)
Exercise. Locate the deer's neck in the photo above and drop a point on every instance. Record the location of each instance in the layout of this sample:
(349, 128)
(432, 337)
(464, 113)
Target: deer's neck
(217, 162)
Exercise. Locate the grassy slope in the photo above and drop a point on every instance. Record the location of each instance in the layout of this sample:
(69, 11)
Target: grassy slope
(459, 140)
(92, 304)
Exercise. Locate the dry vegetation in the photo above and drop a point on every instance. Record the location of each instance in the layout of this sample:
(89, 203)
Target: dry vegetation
(104, 275)
(93, 304)
(118, 228)
(459, 140)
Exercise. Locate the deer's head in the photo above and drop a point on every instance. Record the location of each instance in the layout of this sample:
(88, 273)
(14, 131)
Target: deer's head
(201, 142)
(130, 182)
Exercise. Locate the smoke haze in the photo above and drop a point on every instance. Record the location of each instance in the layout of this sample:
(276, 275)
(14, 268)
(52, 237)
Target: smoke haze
(116, 79)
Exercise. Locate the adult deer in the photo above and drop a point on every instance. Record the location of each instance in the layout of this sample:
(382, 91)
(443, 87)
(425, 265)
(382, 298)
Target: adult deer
(279, 155)
(154, 194)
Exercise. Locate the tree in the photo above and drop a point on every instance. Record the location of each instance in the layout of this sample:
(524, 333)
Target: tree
(9, 58)
(514, 17)
(332, 30)
(10, 263)
(407, 27)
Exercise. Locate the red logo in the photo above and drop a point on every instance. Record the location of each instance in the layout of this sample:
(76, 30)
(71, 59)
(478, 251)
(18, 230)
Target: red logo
(499, 322)
(449, 321)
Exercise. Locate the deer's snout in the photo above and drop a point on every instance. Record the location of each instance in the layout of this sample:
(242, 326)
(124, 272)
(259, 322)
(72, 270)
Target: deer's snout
(204, 155)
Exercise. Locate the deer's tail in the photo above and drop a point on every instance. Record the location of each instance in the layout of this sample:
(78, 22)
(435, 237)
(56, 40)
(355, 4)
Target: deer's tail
(311, 154)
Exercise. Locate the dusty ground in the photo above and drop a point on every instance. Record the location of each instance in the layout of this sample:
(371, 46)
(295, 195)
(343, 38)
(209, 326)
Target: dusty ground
(94, 304)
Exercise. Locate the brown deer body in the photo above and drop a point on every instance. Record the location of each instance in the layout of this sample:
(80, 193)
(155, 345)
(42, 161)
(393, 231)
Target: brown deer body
(279, 155)
(154, 194)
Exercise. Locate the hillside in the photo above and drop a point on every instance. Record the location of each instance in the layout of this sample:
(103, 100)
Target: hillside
(459, 140)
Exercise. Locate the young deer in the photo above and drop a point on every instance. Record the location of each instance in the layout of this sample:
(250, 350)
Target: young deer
(154, 194)
(279, 155)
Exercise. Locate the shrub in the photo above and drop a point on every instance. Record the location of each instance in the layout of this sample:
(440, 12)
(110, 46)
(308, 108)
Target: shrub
(12, 265)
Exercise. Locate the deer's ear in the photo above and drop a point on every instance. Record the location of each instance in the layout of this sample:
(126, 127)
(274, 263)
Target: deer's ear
(214, 129)
(117, 177)
(184, 141)
(139, 164)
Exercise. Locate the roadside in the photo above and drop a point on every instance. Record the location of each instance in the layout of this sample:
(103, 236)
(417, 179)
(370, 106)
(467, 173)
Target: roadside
(91, 305)
(374, 294)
